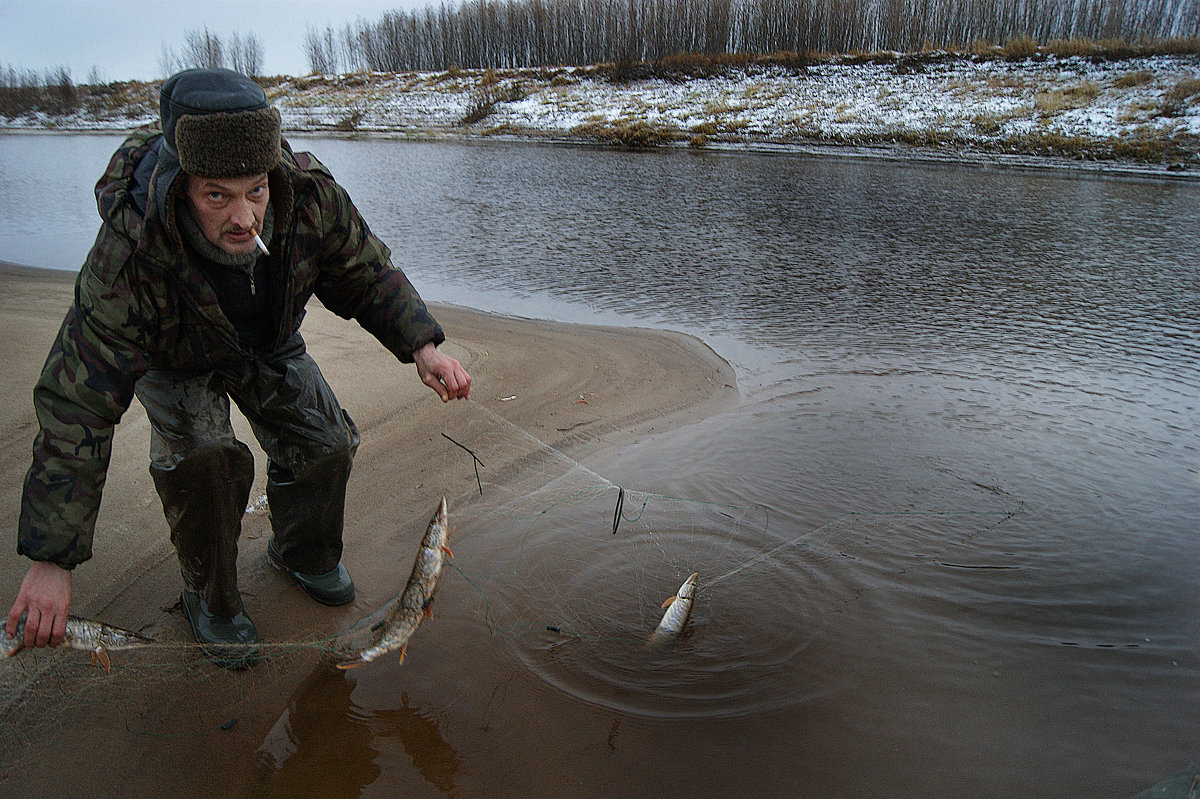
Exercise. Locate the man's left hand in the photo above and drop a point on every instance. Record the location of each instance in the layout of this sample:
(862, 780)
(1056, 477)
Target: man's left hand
(443, 374)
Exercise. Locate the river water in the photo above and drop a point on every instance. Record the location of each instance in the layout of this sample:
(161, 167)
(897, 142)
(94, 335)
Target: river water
(948, 536)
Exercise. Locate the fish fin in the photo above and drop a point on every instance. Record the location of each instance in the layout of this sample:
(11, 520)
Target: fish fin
(403, 652)
(670, 599)
(350, 664)
(446, 549)
(100, 658)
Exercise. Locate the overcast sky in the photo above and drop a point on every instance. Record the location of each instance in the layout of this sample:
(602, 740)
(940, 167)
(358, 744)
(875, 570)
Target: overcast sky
(123, 39)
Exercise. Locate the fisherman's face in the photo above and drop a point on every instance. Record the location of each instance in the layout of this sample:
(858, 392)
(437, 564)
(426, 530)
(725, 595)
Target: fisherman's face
(229, 210)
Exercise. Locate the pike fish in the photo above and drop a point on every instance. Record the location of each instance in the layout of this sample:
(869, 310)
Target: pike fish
(414, 603)
(679, 610)
(87, 635)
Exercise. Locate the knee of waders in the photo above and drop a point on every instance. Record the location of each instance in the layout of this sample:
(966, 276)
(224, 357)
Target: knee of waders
(326, 469)
(227, 460)
(322, 465)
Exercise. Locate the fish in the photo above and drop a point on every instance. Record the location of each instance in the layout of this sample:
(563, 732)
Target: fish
(679, 610)
(87, 635)
(414, 604)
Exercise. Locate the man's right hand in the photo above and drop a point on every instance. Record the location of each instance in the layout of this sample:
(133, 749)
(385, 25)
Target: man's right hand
(45, 597)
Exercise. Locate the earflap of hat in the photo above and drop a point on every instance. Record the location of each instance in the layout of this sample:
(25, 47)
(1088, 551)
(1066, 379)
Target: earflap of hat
(228, 145)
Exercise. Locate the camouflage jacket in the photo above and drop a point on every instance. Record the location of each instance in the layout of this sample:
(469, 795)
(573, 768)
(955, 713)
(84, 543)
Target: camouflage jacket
(141, 301)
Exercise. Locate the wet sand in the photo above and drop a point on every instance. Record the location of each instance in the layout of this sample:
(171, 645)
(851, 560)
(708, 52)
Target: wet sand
(177, 726)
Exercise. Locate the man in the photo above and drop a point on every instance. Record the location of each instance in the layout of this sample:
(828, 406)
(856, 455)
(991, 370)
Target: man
(179, 304)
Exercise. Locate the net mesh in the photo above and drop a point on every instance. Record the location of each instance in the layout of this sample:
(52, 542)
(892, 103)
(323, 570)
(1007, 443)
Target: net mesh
(563, 560)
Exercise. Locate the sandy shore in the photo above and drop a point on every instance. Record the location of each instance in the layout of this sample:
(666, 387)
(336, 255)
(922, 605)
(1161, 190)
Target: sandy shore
(572, 388)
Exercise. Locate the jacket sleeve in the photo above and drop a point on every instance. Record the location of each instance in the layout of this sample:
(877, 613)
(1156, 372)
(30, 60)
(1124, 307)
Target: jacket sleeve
(358, 281)
(85, 386)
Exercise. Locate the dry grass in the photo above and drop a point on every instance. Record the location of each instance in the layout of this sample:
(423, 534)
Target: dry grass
(1110, 49)
(1184, 91)
(1176, 99)
(1056, 101)
(723, 107)
(349, 123)
(630, 134)
(991, 124)
(1020, 47)
(1132, 80)
(490, 92)
(136, 98)
(1146, 145)
(1139, 111)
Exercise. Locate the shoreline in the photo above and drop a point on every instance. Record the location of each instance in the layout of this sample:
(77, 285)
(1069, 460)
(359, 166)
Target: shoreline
(528, 379)
(895, 153)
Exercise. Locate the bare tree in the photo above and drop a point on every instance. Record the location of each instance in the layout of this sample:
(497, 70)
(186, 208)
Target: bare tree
(203, 50)
(246, 54)
(321, 50)
(168, 62)
(59, 80)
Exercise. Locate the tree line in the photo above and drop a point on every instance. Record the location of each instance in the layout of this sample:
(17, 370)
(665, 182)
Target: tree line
(202, 49)
(24, 91)
(536, 33)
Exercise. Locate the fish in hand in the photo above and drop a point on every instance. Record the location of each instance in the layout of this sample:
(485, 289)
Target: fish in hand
(87, 635)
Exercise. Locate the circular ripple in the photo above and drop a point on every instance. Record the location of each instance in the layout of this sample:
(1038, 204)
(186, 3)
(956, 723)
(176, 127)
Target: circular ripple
(577, 611)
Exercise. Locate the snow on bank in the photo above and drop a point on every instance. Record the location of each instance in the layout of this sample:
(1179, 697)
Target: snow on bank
(840, 101)
(1075, 106)
(1128, 110)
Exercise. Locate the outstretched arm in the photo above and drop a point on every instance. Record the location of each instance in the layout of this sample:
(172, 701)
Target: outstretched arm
(443, 374)
(45, 595)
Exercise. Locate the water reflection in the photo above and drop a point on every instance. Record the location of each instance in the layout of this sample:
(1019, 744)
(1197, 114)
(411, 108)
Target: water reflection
(326, 745)
(320, 745)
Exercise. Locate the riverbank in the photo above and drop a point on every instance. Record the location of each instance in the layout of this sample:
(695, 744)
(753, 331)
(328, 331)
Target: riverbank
(570, 387)
(1139, 114)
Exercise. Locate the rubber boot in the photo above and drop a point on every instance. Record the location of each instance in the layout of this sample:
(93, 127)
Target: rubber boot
(307, 519)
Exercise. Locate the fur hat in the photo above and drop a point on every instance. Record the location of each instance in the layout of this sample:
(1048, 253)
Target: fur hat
(219, 123)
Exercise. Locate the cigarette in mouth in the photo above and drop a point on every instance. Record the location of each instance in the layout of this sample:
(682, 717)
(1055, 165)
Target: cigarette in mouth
(259, 242)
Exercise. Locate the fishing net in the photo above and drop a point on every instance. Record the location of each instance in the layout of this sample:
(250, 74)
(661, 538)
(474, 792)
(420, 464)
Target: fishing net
(569, 571)
(564, 571)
